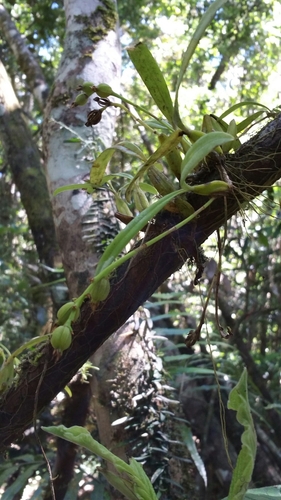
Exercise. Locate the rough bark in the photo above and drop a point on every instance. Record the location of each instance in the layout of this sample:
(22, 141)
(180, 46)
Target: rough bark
(25, 59)
(91, 53)
(256, 165)
(23, 157)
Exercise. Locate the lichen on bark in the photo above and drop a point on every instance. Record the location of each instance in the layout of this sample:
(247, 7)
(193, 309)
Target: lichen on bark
(100, 22)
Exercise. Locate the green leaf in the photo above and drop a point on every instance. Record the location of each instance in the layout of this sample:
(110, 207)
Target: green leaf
(189, 442)
(73, 139)
(165, 147)
(99, 166)
(131, 480)
(201, 148)
(163, 126)
(80, 436)
(148, 188)
(131, 149)
(199, 32)
(120, 484)
(266, 493)
(242, 104)
(131, 230)
(250, 119)
(7, 470)
(19, 484)
(110, 177)
(142, 487)
(242, 475)
(69, 187)
(152, 77)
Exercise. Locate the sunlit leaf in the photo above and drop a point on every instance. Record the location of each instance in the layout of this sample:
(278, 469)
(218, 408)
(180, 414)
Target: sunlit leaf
(196, 37)
(199, 150)
(152, 77)
(86, 185)
(241, 105)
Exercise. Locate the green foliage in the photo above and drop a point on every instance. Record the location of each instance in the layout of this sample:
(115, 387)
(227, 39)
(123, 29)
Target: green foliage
(21, 308)
(130, 479)
(242, 475)
(238, 37)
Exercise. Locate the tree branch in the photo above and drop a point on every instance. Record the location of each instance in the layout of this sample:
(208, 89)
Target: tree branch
(24, 57)
(24, 160)
(255, 166)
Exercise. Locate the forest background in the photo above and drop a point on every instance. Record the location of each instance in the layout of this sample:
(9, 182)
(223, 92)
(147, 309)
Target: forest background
(49, 250)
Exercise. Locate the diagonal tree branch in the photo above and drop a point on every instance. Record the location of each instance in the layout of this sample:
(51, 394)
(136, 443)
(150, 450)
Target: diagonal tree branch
(255, 166)
(24, 160)
(25, 59)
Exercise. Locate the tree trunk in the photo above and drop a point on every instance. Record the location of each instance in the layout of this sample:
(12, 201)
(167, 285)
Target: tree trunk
(23, 157)
(24, 58)
(254, 166)
(91, 53)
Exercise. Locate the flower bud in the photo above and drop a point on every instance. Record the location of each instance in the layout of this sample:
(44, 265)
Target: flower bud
(61, 338)
(64, 312)
(103, 90)
(100, 290)
(80, 100)
(87, 87)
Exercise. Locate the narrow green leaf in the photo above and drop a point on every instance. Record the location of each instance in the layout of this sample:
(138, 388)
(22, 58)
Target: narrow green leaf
(242, 475)
(199, 32)
(163, 126)
(266, 493)
(131, 149)
(73, 139)
(131, 230)
(165, 147)
(148, 188)
(70, 187)
(152, 77)
(7, 470)
(110, 177)
(199, 150)
(189, 442)
(242, 104)
(250, 119)
(20, 482)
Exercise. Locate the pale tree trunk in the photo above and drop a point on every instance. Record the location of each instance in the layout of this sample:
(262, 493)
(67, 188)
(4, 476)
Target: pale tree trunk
(84, 59)
(98, 60)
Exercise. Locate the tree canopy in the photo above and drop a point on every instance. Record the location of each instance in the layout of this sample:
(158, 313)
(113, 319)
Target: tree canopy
(47, 52)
